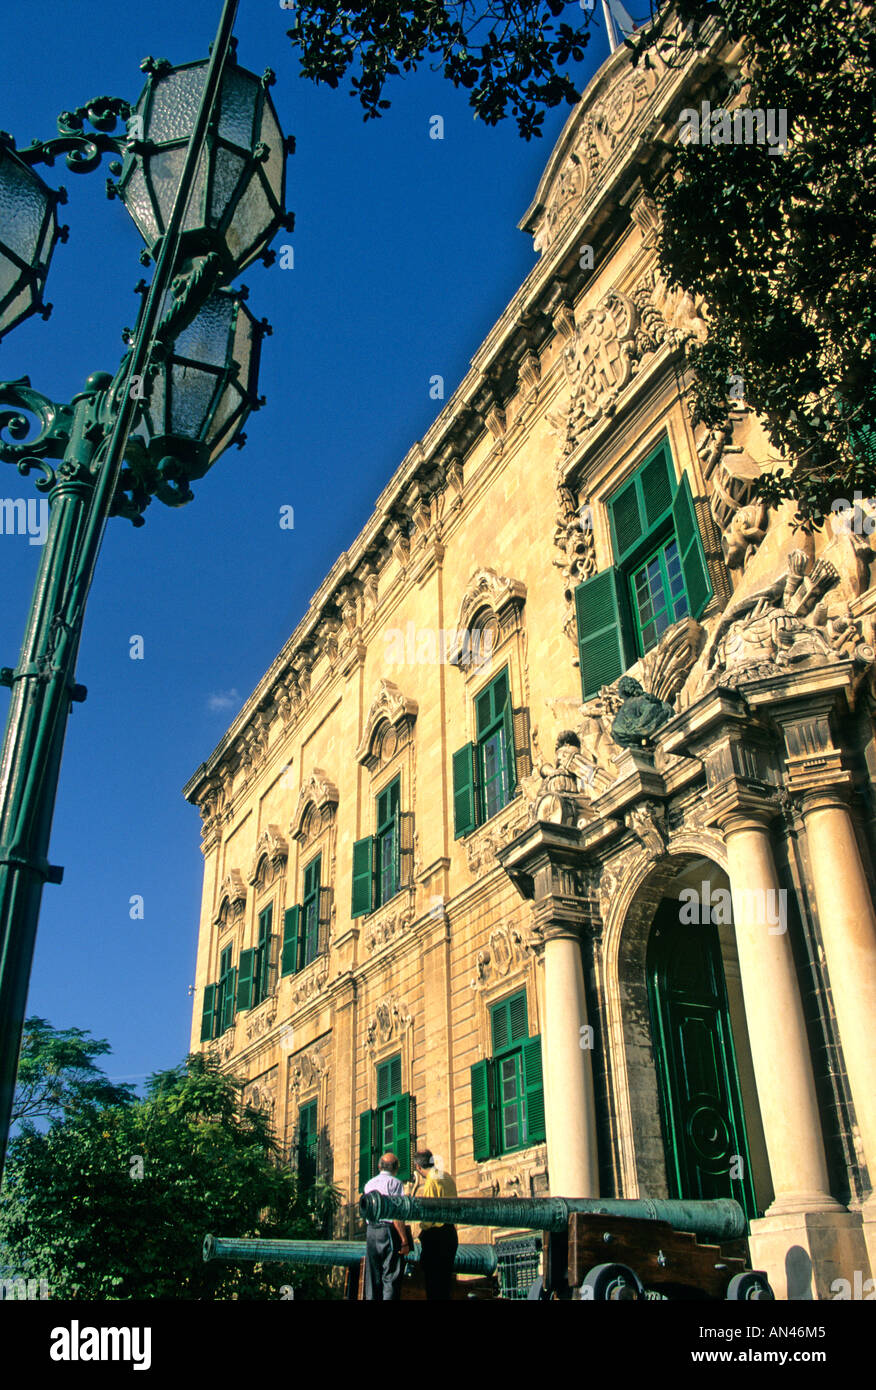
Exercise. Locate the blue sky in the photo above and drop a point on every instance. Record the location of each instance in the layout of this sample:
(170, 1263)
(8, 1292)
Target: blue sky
(406, 252)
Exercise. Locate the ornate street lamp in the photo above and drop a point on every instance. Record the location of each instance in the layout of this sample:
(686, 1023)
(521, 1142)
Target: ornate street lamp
(236, 204)
(28, 233)
(203, 176)
(200, 392)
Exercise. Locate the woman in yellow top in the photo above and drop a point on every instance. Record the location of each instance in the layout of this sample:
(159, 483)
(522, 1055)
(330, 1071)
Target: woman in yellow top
(438, 1239)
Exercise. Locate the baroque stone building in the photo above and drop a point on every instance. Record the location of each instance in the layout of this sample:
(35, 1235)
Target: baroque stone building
(547, 838)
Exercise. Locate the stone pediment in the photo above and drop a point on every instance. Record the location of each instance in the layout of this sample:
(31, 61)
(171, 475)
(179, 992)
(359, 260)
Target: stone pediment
(487, 589)
(271, 845)
(389, 705)
(318, 791)
(232, 892)
(599, 129)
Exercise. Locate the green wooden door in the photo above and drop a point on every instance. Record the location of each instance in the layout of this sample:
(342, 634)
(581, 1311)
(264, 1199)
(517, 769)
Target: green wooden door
(700, 1100)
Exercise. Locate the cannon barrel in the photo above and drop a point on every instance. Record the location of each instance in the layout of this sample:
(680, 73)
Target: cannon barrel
(470, 1259)
(718, 1219)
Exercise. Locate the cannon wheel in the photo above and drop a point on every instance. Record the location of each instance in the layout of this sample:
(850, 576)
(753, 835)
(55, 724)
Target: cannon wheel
(537, 1291)
(611, 1283)
(752, 1284)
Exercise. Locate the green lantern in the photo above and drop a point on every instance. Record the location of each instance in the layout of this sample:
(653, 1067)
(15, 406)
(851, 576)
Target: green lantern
(236, 204)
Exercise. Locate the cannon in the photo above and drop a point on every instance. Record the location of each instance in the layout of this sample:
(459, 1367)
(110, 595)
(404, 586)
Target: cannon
(654, 1244)
(470, 1259)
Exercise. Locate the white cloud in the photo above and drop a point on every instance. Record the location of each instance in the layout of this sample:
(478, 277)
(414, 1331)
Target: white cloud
(222, 699)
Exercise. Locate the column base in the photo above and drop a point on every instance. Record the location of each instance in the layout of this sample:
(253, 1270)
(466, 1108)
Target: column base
(804, 1252)
(868, 1212)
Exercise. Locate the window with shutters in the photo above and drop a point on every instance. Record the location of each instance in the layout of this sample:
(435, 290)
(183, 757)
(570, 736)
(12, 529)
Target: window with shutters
(486, 772)
(659, 576)
(305, 926)
(387, 843)
(388, 1128)
(310, 912)
(262, 960)
(507, 1089)
(220, 999)
(225, 994)
(308, 1145)
(383, 862)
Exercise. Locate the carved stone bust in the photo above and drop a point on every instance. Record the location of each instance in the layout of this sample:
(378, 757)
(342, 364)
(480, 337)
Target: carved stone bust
(640, 715)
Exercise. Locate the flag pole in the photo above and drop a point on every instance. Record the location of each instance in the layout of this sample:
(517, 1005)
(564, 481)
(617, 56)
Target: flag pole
(613, 40)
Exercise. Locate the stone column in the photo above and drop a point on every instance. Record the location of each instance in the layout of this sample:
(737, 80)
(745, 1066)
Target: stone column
(570, 1111)
(546, 865)
(774, 1014)
(806, 1239)
(848, 929)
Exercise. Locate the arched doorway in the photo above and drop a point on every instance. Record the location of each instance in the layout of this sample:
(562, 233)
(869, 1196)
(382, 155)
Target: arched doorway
(705, 1139)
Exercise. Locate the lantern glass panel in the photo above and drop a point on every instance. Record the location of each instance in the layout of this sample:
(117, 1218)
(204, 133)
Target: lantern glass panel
(227, 406)
(243, 345)
(22, 209)
(195, 211)
(175, 101)
(46, 248)
(9, 273)
(154, 413)
(192, 391)
(206, 338)
(238, 99)
(19, 306)
(273, 165)
(227, 170)
(252, 218)
(139, 203)
(166, 171)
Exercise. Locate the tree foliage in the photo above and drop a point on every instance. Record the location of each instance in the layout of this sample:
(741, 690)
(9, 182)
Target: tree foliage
(781, 246)
(58, 1074)
(506, 56)
(113, 1202)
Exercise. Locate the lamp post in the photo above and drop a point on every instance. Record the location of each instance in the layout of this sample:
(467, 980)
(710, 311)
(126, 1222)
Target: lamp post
(203, 179)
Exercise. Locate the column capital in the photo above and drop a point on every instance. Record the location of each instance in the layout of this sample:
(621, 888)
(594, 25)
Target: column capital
(735, 807)
(835, 797)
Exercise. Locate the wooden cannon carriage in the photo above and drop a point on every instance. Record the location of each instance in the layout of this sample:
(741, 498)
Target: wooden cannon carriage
(605, 1249)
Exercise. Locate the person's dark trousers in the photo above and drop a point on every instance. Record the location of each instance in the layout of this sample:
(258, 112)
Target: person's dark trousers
(384, 1266)
(439, 1245)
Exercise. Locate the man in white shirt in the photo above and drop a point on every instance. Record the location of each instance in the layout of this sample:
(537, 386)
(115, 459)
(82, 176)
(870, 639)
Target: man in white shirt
(386, 1242)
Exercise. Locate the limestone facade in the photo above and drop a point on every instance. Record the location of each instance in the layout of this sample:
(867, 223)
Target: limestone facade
(743, 762)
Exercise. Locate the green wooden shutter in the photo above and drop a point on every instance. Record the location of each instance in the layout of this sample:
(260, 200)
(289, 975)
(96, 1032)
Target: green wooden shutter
(366, 1147)
(208, 1013)
(533, 1087)
(325, 917)
(403, 1129)
(246, 979)
(605, 649)
(228, 993)
(508, 727)
(627, 522)
(501, 1026)
(658, 484)
(312, 876)
(690, 548)
(363, 877)
(394, 1066)
(465, 806)
(517, 1020)
(483, 1110)
(289, 953)
(522, 746)
(384, 1088)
